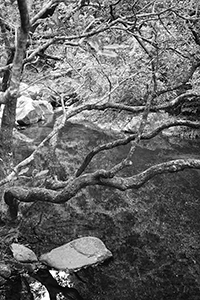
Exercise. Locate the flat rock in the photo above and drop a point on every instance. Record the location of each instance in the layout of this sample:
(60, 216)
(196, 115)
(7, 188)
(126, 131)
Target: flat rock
(23, 253)
(77, 254)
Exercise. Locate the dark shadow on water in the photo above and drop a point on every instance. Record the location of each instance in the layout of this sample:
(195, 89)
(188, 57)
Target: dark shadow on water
(153, 232)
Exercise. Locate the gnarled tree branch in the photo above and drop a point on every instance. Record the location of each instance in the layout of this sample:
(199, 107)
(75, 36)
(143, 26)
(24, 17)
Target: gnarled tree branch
(127, 140)
(71, 187)
(76, 110)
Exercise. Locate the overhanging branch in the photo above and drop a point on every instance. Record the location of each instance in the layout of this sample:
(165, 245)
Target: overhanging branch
(74, 185)
(127, 140)
(76, 110)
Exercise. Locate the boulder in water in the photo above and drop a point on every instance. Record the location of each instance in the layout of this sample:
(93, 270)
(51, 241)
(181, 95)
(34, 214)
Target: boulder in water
(77, 254)
(23, 253)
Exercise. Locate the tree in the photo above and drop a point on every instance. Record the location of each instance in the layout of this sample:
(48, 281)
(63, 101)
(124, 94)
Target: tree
(159, 46)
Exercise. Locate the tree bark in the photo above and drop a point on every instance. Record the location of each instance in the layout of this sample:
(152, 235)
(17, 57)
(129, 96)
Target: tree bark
(9, 113)
(70, 188)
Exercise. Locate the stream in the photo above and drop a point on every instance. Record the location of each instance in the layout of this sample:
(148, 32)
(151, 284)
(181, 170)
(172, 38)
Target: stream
(153, 232)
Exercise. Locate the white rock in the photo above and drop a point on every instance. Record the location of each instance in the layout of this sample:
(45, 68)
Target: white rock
(29, 111)
(77, 254)
(23, 253)
(26, 112)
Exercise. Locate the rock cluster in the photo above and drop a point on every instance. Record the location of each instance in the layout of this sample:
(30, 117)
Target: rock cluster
(77, 254)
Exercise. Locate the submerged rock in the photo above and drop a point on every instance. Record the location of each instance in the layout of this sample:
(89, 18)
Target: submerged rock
(77, 254)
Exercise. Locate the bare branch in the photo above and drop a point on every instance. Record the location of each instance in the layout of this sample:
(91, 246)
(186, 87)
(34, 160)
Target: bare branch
(154, 14)
(74, 185)
(76, 110)
(183, 81)
(42, 12)
(140, 179)
(67, 40)
(127, 161)
(127, 140)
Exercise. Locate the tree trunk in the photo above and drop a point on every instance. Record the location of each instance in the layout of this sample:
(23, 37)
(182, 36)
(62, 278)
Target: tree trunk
(8, 119)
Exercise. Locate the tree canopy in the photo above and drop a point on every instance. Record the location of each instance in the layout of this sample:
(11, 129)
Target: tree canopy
(98, 57)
